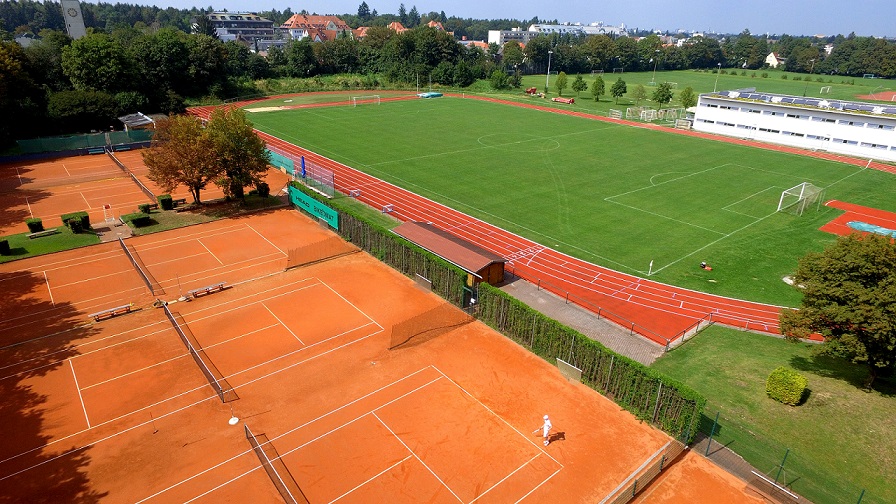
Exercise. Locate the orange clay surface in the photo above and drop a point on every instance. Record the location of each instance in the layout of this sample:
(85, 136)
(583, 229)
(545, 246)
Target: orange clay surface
(118, 411)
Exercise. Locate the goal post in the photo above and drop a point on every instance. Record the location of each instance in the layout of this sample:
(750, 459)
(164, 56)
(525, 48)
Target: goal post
(800, 197)
(825, 90)
(365, 100)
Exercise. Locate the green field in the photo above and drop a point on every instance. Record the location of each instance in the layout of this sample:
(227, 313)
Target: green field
(614, 195)
(841, 438)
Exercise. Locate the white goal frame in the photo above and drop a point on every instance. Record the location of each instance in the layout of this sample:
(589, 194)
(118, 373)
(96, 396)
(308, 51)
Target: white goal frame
(367, 99)
(799, 197)
(825, 90)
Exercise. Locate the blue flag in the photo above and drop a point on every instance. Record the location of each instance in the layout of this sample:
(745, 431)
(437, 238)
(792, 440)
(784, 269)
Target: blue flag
(303, 166)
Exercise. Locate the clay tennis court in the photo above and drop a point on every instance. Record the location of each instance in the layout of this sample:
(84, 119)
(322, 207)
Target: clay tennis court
(50, 188)
(118, 410)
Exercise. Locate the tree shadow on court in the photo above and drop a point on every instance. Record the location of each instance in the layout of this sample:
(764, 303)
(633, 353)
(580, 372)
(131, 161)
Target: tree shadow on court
(36, 339)
(16, 194)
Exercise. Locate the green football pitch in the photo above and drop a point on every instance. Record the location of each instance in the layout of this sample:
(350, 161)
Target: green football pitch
(618, 196)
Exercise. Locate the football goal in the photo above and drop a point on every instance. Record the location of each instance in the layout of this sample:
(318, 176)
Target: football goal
(800, 197)
(825, 90)
(368, 99)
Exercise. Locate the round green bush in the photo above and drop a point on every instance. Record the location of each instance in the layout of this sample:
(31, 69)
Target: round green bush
(786, 386)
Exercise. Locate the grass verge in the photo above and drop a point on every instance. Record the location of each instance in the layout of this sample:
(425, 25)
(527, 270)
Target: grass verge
(840, 439)
(206, 212)
(21, 246)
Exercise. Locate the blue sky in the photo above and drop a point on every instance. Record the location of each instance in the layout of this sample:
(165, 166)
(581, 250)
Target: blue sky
(794, 17)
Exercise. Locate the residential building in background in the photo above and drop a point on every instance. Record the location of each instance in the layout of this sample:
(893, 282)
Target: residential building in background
(245, 26)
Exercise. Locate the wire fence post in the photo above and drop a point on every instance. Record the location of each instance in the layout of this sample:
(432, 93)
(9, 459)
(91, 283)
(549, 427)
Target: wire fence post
(712, 432)
(781, 467)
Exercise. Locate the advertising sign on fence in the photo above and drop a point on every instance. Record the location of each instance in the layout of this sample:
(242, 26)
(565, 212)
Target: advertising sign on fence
(314, 207)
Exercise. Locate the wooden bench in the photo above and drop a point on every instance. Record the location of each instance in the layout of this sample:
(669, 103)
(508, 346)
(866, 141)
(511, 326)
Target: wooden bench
(153, 206)
(45, 232)
(96, 150)
(111, 312)
(178, 202)
(195, 293)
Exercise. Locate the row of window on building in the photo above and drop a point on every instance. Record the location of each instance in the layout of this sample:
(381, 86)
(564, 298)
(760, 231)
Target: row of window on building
(801, 135)
(847, 122)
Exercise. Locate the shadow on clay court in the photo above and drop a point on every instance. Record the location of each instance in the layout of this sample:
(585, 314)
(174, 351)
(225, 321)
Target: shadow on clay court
(557, 436)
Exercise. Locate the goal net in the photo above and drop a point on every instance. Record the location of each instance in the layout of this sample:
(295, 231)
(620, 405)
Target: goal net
(800, 197)
(365, 100)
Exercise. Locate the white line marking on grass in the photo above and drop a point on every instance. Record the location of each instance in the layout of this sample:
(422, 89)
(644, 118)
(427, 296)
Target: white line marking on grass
(676, 179)
(664, 217)
(265, 239)
(436, 476)
(294, 335)
(375, 476)
(80, 397)
(47, 280)
(210, 252)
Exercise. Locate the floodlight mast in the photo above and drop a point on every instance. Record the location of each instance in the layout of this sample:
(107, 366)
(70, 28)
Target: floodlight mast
(812, 69)
(717, 78)
(548, 76)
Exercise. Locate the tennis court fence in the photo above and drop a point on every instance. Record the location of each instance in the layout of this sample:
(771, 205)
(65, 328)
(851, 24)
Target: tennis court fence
(281, 478)
(214, 377)
(428, 325)
(151, 283)
(642, 476)
(125, 169)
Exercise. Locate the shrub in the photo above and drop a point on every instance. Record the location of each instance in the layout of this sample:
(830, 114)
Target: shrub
(743, 73)
(137, 219)
(82, 219)
(753, 75)
(796, 78)
(144, 208)
(34, 225)
(819, 79)
(4, 246)
(765, 75)
(264, 190)
(723, 71)
(784, 76)
(166, 202)
(786, 385)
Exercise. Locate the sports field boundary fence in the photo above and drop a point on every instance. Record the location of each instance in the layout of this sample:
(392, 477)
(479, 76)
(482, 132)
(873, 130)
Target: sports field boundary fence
(649, 395)
(448, 281)
(283, 480)
(215, 378)
(642, 476)
(151, 283)
(149, 194)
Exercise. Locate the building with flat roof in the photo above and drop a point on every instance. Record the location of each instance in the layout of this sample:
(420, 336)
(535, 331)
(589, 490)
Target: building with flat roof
(851, 128)
(247, 26)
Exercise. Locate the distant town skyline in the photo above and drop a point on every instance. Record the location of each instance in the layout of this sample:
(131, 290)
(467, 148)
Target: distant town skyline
(793, 17)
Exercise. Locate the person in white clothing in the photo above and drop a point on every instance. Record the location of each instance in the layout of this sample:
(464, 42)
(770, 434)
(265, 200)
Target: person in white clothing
(545, 430)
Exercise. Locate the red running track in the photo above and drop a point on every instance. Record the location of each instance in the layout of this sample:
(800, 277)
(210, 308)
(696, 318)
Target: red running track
(662, 313)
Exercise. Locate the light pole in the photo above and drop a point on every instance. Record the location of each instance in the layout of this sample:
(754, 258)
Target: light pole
(718, 72)
(656, 59)
(548, 76)
(806, 89)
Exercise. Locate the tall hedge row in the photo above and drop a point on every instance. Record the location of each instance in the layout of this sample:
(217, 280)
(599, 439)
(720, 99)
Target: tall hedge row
(447, 280)
(649, 395)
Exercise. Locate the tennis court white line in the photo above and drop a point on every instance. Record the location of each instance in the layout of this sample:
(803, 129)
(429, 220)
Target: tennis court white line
(294, 335)
(266, 239)
(100, 277)
(241, 304)
(502, 480)
(85, 200)
(222, 485)
(66, 170)
(436, 476)
(199, 240)
(80, 397)
(228, 340)
(47, 280)
(384, 471)
(31, 212)
(172, 359)
(351, 304)
(539, 485)
(19, 174)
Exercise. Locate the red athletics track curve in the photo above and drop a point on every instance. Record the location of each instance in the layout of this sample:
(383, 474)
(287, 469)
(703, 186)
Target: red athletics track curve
(663, 312)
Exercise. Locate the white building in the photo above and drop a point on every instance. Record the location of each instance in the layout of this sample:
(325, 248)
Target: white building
(852, 128)
(575, 29)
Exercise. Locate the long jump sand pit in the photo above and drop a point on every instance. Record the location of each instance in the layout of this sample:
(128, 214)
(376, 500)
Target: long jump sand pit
(130, 417)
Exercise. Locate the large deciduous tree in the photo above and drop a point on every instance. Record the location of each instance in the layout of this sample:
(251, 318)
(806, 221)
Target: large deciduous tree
(849, 296)
(241, 154)
(98, 62)
(662, 95)
(182, 153)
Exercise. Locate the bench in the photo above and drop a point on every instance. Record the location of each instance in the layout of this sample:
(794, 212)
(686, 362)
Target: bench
(178, 202)
(111, 312)
(153, 206)
(195, 293)
(45, 232)
(96, 151)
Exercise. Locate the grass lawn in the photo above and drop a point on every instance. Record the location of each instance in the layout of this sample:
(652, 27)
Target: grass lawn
(841, 439)
(613, 195)
(21, 246)
(163, 220)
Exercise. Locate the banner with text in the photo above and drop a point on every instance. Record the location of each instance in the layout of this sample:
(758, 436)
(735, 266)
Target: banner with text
(314, 207)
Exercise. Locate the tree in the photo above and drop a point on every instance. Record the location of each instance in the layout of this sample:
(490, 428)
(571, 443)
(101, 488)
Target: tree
(513, 54)
(241, 155)
(97, 62)
(849, 295)
(688, 97)
(402, 15)
(560, 83)
(640, 94)
(598, 88)
(499, 79)
(579, 85)
(619, 88)
(364, 11)
(662, 95)
(182, 153)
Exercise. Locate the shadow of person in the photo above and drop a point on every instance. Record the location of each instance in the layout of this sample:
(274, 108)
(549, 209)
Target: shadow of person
(557, 436)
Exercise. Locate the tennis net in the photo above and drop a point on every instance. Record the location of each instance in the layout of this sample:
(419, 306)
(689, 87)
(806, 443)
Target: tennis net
(214, 377)
(285, 483)
(138, 265)
(125, 169)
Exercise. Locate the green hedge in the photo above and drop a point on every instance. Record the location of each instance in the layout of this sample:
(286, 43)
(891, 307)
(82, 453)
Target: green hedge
(786, 386)
(35, 224)
(76, 221)
(264, 190)
(447, 280)
(4, 246)
(647, 394)
(137, 219)
(144, 208)
(166, 202)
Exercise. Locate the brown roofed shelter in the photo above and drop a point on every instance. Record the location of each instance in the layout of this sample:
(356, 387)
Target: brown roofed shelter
(480, 264)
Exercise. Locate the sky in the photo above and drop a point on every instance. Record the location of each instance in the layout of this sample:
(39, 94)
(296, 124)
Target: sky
(775, 17)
